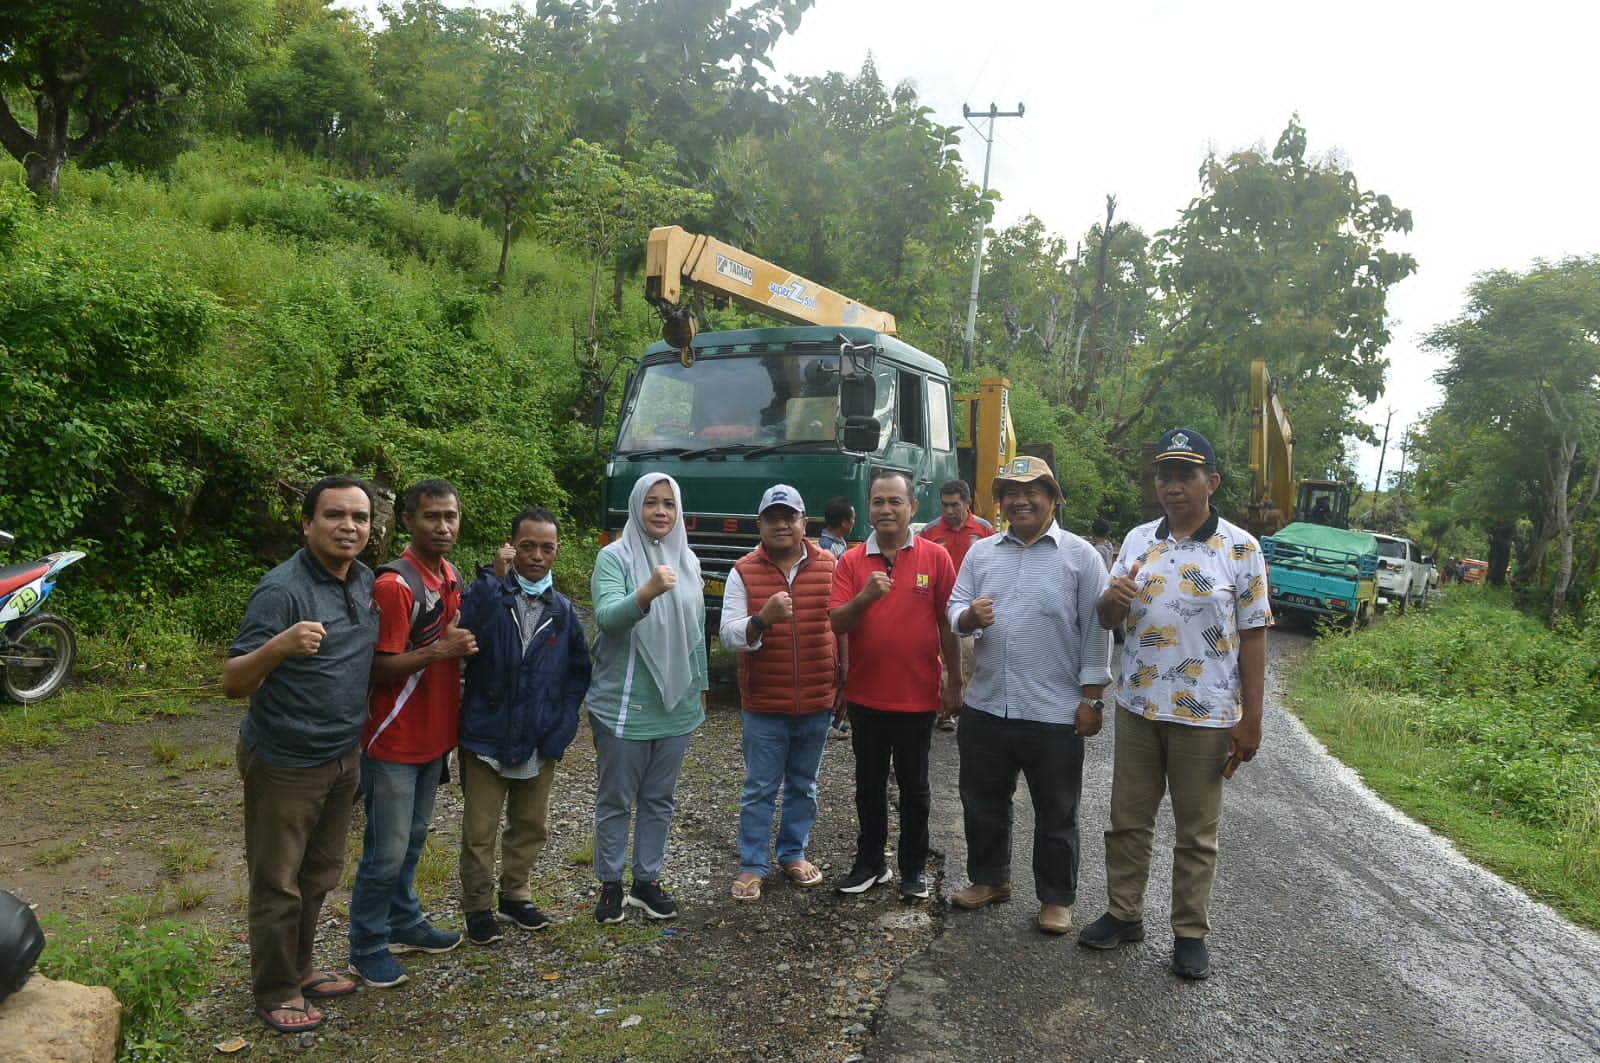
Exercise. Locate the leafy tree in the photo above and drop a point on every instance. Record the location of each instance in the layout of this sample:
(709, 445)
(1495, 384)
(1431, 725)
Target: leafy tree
(87, 66)
(428, 60)
(870, 199)
(600, 206)
(502, 150)
(1524, 370)
(316, 98)
(690, 73)
(1282, 257)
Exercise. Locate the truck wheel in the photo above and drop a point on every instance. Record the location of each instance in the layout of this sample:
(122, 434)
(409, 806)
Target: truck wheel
(1363, 617)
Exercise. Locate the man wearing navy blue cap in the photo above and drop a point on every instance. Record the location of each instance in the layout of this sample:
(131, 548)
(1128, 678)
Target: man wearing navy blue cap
(1191, 589)
(775, 617)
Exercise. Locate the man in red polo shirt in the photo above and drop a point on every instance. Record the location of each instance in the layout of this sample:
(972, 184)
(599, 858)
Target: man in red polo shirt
(413, 715)
(956, 530)
(958, 527)
(889, 596)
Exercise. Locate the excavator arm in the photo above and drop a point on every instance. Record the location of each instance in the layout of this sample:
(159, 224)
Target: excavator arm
(1272, 500)
(676, 259)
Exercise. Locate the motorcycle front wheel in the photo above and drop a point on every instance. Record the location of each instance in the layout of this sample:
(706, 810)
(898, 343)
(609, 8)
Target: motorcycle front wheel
(39, 652)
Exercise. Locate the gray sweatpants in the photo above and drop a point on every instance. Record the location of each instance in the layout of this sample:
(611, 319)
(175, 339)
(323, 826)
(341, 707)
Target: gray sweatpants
(633, 779)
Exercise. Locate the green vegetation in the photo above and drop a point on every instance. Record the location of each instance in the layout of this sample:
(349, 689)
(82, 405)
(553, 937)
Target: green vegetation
(154, 968)
(185, 856)
(1482, 724)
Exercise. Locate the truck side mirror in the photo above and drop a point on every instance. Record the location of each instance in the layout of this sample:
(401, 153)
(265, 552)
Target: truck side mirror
(597, 411)
(862, 434)
(858, 396)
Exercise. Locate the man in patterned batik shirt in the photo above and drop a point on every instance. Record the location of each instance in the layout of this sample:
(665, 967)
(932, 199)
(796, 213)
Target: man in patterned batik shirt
(1191, 589)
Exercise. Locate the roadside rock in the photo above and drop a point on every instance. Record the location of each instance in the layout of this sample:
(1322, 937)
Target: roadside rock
(60, 1022)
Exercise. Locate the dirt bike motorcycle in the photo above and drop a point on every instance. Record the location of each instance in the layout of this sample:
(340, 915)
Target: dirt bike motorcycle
(37, 650)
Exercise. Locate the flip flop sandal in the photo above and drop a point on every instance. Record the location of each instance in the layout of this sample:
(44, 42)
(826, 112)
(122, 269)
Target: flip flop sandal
(313, 989)
(802, 873)
(301, 1026)
(746, 890)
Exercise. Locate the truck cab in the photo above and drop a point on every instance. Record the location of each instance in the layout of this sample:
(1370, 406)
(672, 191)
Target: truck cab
(820, 408)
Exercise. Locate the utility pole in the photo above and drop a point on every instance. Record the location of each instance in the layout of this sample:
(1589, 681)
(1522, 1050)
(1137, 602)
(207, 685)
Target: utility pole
(977, 254)
(1383, 450)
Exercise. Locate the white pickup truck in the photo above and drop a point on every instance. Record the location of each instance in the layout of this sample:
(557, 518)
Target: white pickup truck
(1402, 574)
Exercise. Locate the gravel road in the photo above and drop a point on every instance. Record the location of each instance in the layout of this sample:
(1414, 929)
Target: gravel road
(1341, 931)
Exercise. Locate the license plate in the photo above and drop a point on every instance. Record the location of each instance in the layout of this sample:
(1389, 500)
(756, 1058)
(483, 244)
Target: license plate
(714, 587)
(1300, 599)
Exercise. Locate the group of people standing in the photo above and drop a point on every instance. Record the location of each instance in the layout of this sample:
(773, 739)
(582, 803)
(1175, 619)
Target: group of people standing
(356, 678)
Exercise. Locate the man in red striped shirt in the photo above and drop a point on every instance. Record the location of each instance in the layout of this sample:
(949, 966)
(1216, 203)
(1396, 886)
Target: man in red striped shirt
(413, 716)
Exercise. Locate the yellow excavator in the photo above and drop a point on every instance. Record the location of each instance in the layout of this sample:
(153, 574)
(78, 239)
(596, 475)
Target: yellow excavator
(1275, 499)
(1316, 566)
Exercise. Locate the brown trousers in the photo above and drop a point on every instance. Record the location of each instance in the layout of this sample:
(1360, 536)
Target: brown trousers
(295, 823)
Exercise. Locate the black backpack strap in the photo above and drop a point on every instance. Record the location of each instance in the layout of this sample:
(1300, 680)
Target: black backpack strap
(426, 618)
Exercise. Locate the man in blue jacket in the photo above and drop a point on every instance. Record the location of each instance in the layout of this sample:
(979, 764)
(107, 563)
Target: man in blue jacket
(518, 715)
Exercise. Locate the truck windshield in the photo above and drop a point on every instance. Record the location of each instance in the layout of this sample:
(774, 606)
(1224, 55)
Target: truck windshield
(756, 399)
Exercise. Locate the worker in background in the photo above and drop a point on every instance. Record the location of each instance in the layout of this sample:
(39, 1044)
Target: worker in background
(838, 516)
(956, 530)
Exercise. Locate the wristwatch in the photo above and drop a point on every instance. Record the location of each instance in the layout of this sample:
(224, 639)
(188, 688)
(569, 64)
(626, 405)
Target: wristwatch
(1097, 704)
(758, 623)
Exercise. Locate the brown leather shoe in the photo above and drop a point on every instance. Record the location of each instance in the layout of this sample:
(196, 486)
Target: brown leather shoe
(1055, 918)
(978, 894)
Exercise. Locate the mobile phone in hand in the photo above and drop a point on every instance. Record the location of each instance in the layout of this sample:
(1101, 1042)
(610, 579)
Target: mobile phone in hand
(1230, 766)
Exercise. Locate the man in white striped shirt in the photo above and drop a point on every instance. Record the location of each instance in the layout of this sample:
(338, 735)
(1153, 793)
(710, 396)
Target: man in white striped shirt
(1043, 662)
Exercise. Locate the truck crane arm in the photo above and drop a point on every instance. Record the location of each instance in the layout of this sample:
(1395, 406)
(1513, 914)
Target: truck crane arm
(676, 259)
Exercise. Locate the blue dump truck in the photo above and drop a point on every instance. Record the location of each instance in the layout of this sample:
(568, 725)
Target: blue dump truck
(1318, 571)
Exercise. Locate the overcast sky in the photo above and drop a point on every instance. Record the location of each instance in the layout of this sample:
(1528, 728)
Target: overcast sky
(1481, 118)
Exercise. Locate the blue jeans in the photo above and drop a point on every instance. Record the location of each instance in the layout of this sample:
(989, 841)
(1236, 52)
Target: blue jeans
(399, 804)
(779, 751)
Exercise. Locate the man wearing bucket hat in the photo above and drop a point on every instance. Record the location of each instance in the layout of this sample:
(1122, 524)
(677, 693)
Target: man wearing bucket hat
(1192, 590)
(1043, 661)
(775, 617)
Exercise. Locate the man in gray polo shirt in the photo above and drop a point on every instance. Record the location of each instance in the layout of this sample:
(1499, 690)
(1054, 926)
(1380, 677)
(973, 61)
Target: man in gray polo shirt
(1043, 662)
(303, 656)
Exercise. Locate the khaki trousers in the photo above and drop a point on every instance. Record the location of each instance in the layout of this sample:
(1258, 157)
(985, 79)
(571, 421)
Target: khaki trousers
(1151, 759)
(526, 803)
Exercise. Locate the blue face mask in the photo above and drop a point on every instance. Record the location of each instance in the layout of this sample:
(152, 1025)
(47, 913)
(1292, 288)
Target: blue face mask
(534, 588)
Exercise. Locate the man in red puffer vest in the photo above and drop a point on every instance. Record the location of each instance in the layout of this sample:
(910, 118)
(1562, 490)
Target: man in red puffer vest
(775, 617)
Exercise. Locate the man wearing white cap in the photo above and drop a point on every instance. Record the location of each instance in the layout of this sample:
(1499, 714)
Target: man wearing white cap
(1043, 662)
(775, 617)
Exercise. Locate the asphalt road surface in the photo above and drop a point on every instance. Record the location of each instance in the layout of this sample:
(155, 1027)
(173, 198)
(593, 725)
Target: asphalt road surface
(1340, 931)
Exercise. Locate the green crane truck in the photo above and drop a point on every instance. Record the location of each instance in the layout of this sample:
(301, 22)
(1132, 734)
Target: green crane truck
(820, 404)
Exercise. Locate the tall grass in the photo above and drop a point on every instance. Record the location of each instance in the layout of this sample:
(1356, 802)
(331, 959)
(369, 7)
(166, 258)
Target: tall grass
(1484, 724)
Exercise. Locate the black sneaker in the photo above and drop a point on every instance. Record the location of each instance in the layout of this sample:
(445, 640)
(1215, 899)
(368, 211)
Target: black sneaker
(914, 888)
(1108, 932)
(482, 929)
(861, 879)
(1190, 957)
(609, 910)
(653, 899)
(523, 914)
